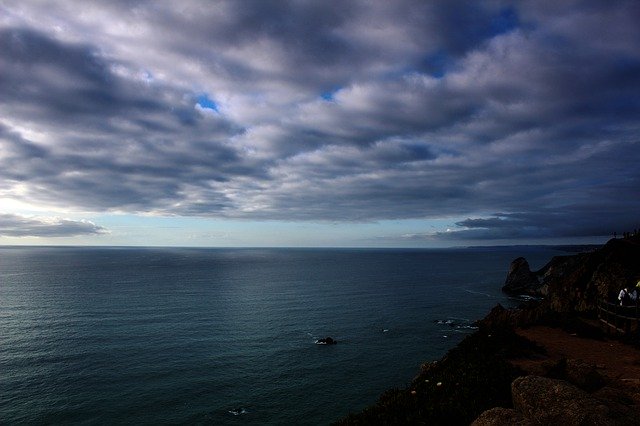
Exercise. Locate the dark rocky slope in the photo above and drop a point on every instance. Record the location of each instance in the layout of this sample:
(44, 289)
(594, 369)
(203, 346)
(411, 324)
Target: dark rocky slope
(479, 377)
(473, 377)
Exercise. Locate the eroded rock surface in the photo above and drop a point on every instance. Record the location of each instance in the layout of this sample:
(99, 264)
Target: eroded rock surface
(502, 416)
(544, 401)
(552, 401)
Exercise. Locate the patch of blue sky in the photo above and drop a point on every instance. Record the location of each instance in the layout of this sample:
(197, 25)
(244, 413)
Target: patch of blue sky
(206, 102)
(329, 95)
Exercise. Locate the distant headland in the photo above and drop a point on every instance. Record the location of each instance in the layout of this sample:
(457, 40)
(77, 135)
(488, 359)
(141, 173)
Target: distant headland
(556, 359)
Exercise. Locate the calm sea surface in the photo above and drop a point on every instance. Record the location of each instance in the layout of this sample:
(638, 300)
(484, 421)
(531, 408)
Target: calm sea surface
(226, 336)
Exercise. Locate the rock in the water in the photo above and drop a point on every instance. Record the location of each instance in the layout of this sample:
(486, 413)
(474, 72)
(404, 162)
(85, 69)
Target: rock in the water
(552, 401)
(238, 411)
(520, 279)
(502, 416)
(326, 341)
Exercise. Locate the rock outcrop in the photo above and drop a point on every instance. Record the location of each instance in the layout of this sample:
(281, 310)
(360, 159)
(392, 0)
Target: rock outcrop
(552, 401)
(578, 373)
(484, 377)
(520, 279)
(545, 401)
(502, 416)
(575, 283)
(326, 341)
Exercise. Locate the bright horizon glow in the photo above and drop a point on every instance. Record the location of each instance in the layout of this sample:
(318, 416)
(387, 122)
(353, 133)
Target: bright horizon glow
(206, 233)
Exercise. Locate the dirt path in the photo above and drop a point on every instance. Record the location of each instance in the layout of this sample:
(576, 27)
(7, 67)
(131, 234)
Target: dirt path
(616, 360)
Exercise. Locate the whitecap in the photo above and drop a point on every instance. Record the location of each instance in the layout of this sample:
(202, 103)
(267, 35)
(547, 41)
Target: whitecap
(460, 325)
(480, 293)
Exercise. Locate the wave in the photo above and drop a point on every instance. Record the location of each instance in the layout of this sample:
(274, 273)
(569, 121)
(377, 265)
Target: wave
(525, 298)
(490, 296)
(458, 324)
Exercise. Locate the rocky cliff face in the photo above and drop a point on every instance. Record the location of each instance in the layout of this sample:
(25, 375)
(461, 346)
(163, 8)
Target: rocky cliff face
(575, 283)
(478, 374)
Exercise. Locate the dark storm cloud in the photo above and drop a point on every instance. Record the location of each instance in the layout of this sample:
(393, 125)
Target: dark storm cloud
(328, 111)
(12, 225)
(543, 224)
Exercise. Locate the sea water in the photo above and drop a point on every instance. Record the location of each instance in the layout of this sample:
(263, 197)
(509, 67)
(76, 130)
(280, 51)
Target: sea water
(227, 336)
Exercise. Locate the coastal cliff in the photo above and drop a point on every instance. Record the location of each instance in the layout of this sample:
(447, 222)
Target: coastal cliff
(575, 283)
(545, 362)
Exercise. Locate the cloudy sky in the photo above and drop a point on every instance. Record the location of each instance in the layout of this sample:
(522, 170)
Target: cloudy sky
(318, 123)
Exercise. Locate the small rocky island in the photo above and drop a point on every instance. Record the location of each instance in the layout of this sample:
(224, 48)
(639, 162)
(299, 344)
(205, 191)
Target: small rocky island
(546, 362)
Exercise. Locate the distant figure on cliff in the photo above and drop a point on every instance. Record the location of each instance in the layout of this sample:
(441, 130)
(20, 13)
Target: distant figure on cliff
(624, 297)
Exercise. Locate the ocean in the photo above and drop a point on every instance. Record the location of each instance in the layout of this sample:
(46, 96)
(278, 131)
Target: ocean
(227, 336)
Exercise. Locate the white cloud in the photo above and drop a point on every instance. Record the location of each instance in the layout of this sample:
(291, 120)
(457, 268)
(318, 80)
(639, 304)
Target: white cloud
(14, 225)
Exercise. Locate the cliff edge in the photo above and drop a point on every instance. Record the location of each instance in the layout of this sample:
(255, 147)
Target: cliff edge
(535, 364)
(575, 283)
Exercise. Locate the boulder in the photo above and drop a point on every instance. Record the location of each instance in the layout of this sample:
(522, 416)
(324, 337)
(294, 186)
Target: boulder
(584, 375)
(544, 401)
(577, 372)
(552, 401)
(502, 416)
(326, 341)
(621, 405)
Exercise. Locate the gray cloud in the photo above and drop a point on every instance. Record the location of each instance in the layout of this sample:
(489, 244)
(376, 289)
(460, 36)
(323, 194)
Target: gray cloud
(328, 111)
(540, 225)
(12, 225)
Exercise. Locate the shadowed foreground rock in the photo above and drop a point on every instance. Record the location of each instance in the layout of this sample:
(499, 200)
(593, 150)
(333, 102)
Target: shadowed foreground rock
(551, 401)
(502, 416)
(544, 401)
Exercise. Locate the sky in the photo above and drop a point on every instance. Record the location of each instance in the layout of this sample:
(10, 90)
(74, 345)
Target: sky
(318, 123)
